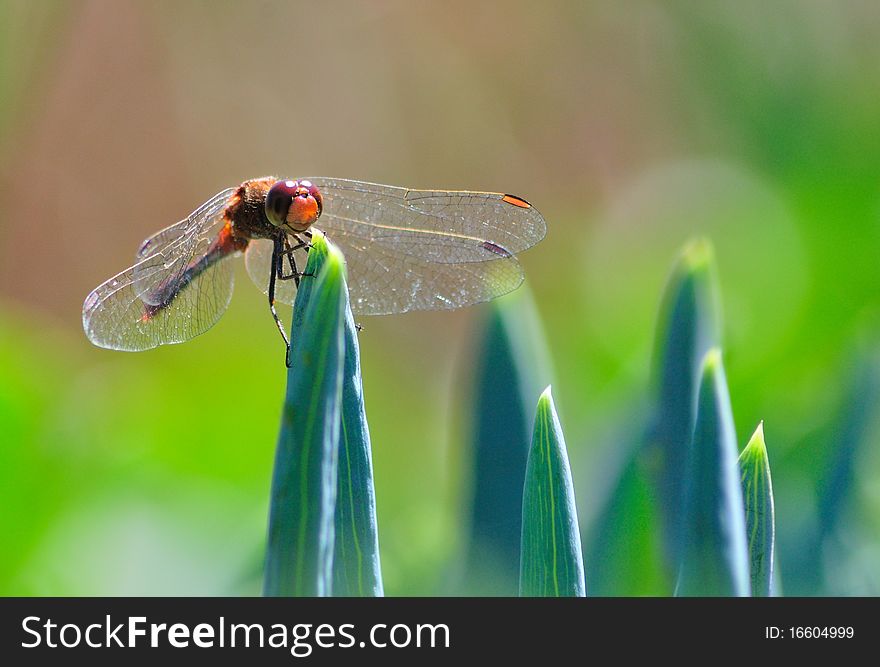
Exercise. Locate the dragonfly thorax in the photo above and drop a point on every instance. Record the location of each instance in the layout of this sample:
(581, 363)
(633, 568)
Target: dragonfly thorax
(246, 210)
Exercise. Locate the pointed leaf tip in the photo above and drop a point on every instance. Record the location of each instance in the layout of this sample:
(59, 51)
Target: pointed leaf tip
(319, 241)
(757, 488)
(318, 251)
(712, 362)
(756, 446)
(715, 554)
(688, 327)
(335, 258)
(551, 560)
(698, 254)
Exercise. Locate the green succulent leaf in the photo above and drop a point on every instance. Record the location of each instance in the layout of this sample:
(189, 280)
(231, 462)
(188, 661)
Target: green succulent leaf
(318, 252)
(688, 327)
(624, 544)
(356, 570)
(511, 365)
(714, 552)
(301, 533)
(760, 516)
(551, 562)
(650, 451)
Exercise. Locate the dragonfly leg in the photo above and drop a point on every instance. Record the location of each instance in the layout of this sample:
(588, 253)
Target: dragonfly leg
(294, 272)
(277, 257)
(288, 252)
(307, 244)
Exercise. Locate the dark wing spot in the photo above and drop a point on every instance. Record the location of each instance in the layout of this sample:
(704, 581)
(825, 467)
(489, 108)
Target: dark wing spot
(497, 249)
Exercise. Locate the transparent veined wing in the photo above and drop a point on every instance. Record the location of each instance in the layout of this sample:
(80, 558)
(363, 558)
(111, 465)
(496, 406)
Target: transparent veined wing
(171, 242)
(426, 249)
(179, 287)
(258, 261)
(382, 281)
(166, 237)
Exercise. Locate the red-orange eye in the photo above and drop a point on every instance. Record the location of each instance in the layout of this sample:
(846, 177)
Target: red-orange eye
(293, 205)
(314, 192)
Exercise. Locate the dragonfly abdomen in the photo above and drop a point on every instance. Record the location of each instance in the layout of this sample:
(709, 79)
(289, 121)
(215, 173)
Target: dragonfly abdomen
(226, 244)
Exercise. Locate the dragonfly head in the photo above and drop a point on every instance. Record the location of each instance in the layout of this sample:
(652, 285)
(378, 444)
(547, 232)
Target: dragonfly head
(293, 205)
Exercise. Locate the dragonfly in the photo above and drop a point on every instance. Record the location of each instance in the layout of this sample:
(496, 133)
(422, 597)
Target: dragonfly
(405, 250)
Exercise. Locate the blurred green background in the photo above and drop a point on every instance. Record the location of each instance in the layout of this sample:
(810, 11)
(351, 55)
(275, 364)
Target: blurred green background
(631, 126)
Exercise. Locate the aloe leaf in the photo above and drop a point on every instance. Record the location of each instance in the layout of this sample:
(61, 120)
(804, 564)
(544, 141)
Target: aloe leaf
(511, 367)
(299, 554)
(688, 327)
(551, 562)
(714, 553)
(846, 441)
(318, 252)
(851, 435)
(624, 544)
(356, 570)
(760, 517)
(634, 543)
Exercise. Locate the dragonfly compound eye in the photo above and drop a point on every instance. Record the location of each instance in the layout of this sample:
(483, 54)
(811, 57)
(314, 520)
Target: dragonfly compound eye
(293, 205)
(314, 193)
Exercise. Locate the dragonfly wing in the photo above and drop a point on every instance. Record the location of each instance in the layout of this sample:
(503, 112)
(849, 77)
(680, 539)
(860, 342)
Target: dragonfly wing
(172, 243)
(168, 236)
(382, 280)
(426, 249)
(170, 295)
(258, 260)
(437, 225)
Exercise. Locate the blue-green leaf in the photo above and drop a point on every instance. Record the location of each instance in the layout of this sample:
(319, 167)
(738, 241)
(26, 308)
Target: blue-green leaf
(624, 544)
(356, 571)
(760, 517)
(634, 541)
(714, 553)
(318, 253)
(850, 436)
(688, 327)
(811, 554)
(299, 554)
(551, 563)
(511, 366)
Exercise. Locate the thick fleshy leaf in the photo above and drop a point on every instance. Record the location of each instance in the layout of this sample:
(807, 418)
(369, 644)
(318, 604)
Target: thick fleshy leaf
(299, 555)
(633, 544)
(827, 544)
(760, 517)
(551, 563)
(714, 552)
(688, 327)
(356, 571)
(318, 252)
(624, 545)
(511, 367)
